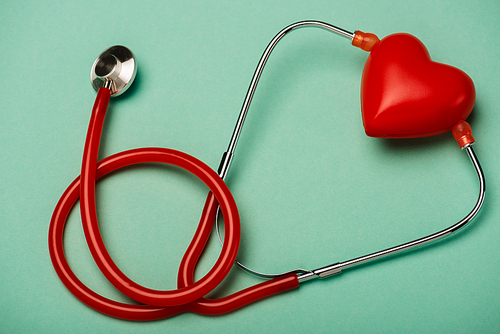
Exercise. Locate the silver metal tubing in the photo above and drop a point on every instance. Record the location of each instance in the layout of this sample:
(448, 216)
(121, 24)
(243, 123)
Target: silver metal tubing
(305, 275)
(338, 267)
(299, 272)
(226, 158)
(228, 155)
(256, 273)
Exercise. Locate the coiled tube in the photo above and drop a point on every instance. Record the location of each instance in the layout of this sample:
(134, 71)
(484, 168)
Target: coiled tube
(158, 304)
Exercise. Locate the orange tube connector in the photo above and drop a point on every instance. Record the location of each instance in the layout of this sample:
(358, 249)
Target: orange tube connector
(365, 41)
(463, 134)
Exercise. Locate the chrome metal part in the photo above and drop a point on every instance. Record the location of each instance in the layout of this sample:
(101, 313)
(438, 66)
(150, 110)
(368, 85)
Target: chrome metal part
(468, 145)
(339, 267)
(251, 271)
(258, 71)
(115, 69)
(228, 155)
(269, 276)
(109, 84)
(224, 164)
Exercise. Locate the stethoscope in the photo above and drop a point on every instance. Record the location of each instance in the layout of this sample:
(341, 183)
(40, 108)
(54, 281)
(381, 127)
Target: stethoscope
(112, 74)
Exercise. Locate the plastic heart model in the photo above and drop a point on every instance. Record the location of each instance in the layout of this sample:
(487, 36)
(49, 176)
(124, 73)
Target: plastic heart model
(404, 94)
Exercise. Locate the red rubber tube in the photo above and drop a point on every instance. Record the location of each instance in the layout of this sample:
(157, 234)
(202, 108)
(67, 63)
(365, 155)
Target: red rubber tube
(159, 304)
(91, 227)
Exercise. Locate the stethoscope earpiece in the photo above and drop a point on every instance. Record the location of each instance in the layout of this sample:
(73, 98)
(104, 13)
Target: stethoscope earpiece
(115, 69)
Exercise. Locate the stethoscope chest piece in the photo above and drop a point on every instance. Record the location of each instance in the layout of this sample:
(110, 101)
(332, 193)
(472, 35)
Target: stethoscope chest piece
(115, 68)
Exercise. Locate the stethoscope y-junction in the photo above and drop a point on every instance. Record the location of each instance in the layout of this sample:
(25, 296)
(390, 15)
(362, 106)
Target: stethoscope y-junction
(404, 95)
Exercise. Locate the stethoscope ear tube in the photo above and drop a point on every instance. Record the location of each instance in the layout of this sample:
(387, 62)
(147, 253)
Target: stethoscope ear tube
(337, 268)
(461, 131)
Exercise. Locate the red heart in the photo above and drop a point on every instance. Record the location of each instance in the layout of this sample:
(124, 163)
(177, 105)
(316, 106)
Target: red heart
(404, 94)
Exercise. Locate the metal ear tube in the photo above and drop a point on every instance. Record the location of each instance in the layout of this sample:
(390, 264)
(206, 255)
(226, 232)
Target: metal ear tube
(367, 42)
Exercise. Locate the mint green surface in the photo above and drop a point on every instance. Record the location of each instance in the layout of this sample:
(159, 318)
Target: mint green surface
(311, 187)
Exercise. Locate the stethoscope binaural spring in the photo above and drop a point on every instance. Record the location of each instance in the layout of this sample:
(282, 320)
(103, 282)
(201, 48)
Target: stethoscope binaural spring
(112, 74)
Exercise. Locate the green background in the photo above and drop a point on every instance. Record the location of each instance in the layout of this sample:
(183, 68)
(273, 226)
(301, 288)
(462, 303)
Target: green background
(311, 187)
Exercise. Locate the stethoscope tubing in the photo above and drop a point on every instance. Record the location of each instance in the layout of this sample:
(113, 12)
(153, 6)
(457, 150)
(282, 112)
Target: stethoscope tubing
(144, 312)
(228, 155)
(104, 261)
(186, 298)
(336, 268)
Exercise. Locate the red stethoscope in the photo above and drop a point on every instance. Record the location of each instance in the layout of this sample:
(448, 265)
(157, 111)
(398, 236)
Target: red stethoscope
(404, 95)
